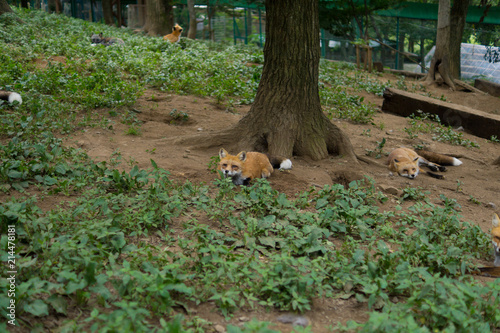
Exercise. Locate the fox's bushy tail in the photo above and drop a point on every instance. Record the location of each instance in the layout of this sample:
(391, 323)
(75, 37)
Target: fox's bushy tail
(279, 162)
(440, 159)
(10, 96)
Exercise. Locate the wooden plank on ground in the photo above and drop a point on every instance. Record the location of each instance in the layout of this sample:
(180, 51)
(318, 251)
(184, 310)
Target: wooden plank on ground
(489, 87)
(407, 73)
(479, 123)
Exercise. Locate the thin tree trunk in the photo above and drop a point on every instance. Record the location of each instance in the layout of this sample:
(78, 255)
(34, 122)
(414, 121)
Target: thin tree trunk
(107, 12)
(209, 16)
(192, 20)
(401, 49)
(249, 21)
(440, 62)
(457, 21)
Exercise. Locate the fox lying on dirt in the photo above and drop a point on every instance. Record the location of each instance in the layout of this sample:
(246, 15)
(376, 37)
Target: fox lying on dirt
(244, 167)
(495, 238)
(175, 36)
(10, 96)
(106, 41)
(406, 162)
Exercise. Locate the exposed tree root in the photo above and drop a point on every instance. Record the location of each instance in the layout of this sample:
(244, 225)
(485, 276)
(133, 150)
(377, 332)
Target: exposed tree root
(468, 87)
(439, 66)
(370, 161)
(240, 137)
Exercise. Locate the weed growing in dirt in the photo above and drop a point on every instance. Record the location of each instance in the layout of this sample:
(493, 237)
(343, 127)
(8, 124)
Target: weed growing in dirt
(428, 123)
(133, 130)
(378, 152)
(414, 194)
(178, 116)
(494, 139)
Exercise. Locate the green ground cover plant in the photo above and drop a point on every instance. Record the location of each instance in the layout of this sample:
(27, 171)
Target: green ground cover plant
(262, 248)
(428, 123)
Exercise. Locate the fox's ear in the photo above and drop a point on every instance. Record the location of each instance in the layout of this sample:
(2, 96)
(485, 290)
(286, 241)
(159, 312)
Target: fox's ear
(242, 156)
(100, 34)
(222, 153)
(496, 220)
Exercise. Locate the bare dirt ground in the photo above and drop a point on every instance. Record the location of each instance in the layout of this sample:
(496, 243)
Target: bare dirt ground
(475, 184)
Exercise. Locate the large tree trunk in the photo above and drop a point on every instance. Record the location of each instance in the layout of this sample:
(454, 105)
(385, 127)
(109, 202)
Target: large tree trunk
(55, 6)
(286, 116)
(4, 7)
(159, 17)
(440, 62)
(457, 22)
(192, 20)
(107, 12)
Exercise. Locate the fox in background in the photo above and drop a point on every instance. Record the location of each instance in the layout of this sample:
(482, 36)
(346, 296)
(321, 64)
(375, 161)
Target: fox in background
(10, 97)
(175, 36)
(495, 238)
(106, 41)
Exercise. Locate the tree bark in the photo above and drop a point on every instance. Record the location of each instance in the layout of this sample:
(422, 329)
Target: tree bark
(286, 117)
(159, 17)
(210, 11)
(457, 22)
(4, 7)
(192, 20)
(440, 62)
(249, 21)
(107, 12)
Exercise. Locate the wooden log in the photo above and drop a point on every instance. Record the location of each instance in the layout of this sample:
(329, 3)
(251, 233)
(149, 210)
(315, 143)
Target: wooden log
(479, 123)
(489, 87)
(407, 73)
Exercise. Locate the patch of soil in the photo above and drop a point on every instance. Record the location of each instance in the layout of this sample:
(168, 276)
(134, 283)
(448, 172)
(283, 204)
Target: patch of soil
(474, 185)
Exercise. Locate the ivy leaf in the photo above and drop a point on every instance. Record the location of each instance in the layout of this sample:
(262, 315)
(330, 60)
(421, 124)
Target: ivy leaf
(268, 241)
(59, 303)
(37, 308)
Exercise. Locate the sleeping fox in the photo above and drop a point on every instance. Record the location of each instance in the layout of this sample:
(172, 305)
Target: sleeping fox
(406, 162)
(10, 96)
(175, 36)
(495, 238)
(244, 167)
(106, 41)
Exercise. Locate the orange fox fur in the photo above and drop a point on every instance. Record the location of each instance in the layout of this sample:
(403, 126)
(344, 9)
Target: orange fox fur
(495, 238)
(244, 167)
(175, 36)
(406, 162)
